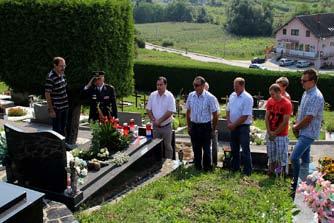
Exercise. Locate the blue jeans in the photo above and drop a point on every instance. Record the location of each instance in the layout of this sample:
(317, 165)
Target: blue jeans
(240, 137)
(300, 151)
(59, 122)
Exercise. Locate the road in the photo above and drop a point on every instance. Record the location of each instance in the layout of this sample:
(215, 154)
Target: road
(269, 64)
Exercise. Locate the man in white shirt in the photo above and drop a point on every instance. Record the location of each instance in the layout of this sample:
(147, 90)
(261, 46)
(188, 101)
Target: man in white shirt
(160, 108)
(239, 118)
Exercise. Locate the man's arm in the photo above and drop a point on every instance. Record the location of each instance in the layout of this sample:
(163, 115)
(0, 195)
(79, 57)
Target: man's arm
(113, 102)
(303, 123)
(51, 111)
(214, 120)
(282, 125)
(164, 117)
(188, 120)
(266, 119)
(238, 122)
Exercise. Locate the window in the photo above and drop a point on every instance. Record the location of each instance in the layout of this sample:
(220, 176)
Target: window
(308, 33)
(294, 32)
(301, 47)
(284, 31)
(331, 44)
(307, 47)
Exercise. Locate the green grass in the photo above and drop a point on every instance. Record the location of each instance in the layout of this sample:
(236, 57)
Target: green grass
(205, 38)
(191, 196)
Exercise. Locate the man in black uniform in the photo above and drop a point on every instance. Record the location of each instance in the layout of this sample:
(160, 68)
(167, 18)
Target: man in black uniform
(102, 97)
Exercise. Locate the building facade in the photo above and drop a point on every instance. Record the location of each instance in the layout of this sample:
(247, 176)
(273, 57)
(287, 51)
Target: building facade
(309, 37)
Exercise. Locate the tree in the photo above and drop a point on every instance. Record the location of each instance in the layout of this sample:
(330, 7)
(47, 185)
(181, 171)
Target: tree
(180, 11)
(249, 18)
(147, 12)
(90, 35)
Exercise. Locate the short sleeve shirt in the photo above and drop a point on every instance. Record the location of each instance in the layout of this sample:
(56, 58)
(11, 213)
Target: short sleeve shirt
(160, 104)
(56, 86)
(277, 110)
(241, 105)
(312, 103)
(201, 106)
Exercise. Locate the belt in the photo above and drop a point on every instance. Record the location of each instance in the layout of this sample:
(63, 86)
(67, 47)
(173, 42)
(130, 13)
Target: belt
(201, 124)
(162, 126)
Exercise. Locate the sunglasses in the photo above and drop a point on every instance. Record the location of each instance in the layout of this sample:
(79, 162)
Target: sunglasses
(304, 81)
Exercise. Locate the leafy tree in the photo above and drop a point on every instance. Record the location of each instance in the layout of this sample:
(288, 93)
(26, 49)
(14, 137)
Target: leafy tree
(203, 16)
(180, 11)
(249, 18)
(147, 12)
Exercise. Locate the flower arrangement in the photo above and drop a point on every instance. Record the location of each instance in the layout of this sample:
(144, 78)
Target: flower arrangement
(327, 168)
(106, 135)
(119, 158)
(319, 195)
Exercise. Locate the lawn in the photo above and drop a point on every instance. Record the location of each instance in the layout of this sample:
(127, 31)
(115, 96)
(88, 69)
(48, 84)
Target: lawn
(191, 196)
(205, 38)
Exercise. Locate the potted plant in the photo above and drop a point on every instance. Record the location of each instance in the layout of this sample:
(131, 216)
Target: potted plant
(330, 130)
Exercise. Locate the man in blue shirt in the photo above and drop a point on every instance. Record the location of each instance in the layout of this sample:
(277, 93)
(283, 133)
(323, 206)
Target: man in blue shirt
(308, 123)
(201, 108)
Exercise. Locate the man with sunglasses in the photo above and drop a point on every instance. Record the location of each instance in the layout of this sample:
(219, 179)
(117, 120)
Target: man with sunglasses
(202, 119)
(307, 126)
(56, 95)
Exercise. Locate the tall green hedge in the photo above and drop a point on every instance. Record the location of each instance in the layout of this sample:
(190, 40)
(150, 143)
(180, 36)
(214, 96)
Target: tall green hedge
(91, 35)
(221, 79)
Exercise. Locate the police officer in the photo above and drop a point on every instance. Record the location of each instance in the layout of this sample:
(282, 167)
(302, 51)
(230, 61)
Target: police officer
(102, 97)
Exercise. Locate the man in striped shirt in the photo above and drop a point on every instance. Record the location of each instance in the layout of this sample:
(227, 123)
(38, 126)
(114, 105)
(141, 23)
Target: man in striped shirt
(56, 95)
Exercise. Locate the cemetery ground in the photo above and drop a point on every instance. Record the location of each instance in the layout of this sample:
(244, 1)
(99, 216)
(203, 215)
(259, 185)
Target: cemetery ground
(188, 195)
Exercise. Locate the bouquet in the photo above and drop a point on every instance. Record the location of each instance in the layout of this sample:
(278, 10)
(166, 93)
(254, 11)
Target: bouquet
(319, 195)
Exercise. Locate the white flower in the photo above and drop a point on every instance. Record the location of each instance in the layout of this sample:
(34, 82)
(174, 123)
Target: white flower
(84, 172)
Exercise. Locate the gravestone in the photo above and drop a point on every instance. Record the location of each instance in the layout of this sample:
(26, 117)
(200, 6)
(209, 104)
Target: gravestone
(126, 116)
(224, 134)
(259, 113)
(18, 204)
(36, 159)
(41, 113)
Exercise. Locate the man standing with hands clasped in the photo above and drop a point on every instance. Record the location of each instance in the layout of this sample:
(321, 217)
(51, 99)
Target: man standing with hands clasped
(239, 118)
(308, 124)
(201, 108)
(160, 108)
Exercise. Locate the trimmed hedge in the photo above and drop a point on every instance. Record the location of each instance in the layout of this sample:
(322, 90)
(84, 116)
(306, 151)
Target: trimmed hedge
(220, 78)
(90, 35)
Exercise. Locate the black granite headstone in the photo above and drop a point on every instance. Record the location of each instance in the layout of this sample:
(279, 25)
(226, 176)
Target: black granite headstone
(36, 159)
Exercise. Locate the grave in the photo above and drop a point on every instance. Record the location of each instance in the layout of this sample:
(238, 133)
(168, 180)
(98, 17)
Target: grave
(259, 113)
(38, 159)
(18, 204)
(224, 134)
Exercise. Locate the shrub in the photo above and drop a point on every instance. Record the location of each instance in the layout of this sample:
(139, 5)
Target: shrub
(167, 43)
(140, 43)
(90, 35)
(330, 126)
(220, 78)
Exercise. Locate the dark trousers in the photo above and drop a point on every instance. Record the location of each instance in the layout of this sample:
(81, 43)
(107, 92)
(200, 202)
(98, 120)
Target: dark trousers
(240, 137)
(59, 122)
(201, 139)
